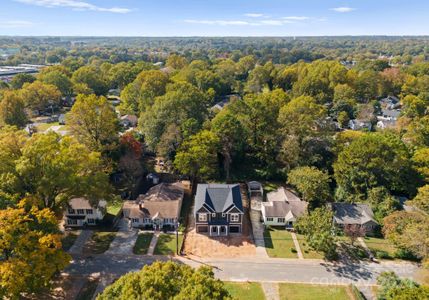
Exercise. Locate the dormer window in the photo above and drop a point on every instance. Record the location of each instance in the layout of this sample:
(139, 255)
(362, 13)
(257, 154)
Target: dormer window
(71, 211)
(235, 217)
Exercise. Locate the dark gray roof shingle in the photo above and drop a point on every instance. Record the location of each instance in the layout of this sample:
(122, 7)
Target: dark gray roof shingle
(218, 197)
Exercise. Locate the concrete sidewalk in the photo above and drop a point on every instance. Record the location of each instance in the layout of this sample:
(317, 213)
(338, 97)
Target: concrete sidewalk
(153, 243)
(297, 246)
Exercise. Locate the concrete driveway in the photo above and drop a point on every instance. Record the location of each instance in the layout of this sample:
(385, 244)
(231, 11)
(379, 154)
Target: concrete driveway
(124, 240)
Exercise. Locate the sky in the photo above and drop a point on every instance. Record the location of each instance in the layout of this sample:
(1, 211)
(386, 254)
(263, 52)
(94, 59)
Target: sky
(213, 17)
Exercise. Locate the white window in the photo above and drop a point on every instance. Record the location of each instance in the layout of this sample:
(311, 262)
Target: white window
(80, 212)
(213, 215)
(91, 221)
(223, 215)
(135, 220)
(71, 211)
(280, 220)
(235, 217)
(202, 217)
(269, 219)
(146, 220)
(72, 222)
(89, 211)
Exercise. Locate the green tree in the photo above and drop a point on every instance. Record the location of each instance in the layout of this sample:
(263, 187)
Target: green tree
(58, 79)
(12, 109)
(38, 95)
(197, 156)
(421, 200)
(167, 280)
(30, 249)
(311, 183)
(421, 162)
(94, 123)
(19, 80)
(382, 203)
(230, 133)
(50, 167)
(394, 288)
(409, 232)
(317, 227)
(373, 160)
(92, 78)
(140, 94)
(182, 102)
(176, 62)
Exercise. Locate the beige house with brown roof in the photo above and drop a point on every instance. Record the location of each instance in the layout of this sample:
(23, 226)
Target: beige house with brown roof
(158, 208)
(80, 212)
(283, 208)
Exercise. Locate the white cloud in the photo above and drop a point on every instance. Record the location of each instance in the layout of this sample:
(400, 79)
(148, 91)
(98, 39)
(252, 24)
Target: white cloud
(75, 5)
(272, 22)
(296, 18)
(343, 9)
(253, 15)
(15, 24)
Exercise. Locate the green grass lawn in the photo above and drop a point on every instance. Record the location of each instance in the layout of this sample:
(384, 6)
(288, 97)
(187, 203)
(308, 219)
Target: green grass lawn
(45, 126)
(294, 291)
(142, 243)
(245, 290)
(68, 239)
(99, 242)
(307, 252)
(383, 245)
(166, 244)
(279, 243)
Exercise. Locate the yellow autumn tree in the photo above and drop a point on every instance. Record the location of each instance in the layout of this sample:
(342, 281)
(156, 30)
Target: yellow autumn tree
(30, 249)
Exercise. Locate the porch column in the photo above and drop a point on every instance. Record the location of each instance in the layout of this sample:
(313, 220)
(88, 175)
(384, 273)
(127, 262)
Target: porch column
(218, 230)
(210, 230)
(226, 230)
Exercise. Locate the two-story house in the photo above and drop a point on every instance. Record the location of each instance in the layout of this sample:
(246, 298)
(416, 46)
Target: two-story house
(81, 212)
(218, 209)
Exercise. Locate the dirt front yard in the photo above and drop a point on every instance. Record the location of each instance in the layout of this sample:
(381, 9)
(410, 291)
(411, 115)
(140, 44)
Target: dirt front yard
(235, 245)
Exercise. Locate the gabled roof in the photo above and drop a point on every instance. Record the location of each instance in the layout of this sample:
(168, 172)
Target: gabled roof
(161, 201)
(284, 204)
(83, 203)
(218, 197)
(352, 213)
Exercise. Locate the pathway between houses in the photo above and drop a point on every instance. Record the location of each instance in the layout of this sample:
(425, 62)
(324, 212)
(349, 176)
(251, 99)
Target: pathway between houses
(297, 246)
(80, 241)
(124, 240)
(271, 290)
(152, 244)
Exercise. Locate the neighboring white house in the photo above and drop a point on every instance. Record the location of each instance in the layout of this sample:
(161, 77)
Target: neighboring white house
(80, 212)
(158, 208)
(283, 208)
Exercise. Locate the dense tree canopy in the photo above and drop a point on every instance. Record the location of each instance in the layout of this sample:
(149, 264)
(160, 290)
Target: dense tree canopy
(30, 249)
(167, 280)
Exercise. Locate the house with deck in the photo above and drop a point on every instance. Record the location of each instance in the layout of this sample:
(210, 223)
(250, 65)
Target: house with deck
(158, 209)
(81, 212)
(218, 209)
(283, 208)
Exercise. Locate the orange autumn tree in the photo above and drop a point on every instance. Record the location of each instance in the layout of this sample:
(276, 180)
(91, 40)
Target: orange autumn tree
(30, 249)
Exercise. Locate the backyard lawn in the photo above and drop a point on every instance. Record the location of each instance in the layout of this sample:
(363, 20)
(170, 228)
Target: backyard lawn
(142, 243)
(99, 242)
(68, 239)
(279, 243)
(295, 291)
(166, 244)
(307, 252)
(114, 207)
(245, 290)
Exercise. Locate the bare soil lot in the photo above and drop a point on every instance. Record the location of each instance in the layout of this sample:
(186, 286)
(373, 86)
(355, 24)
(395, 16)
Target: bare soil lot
(235, 245)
